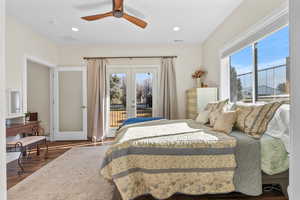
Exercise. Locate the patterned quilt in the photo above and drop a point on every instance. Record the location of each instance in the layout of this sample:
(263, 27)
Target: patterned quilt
(165, 157)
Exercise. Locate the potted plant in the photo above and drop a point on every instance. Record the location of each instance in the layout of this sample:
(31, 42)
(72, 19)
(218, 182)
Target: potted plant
(27, 115)
(197, 76)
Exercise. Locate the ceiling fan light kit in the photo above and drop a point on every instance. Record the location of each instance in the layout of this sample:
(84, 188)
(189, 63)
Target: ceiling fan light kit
(118, 12)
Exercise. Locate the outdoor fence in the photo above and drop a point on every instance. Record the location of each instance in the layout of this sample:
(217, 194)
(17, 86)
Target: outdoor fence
(272, 83)
(118, 113)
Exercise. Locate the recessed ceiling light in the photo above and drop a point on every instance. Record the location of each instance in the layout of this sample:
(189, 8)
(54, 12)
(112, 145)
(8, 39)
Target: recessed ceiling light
(52, 22)
(178, 41)
(176, 28)
(75, 29)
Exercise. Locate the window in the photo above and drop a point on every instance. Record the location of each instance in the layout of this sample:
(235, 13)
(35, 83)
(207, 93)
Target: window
(241, 75)
(260, 71)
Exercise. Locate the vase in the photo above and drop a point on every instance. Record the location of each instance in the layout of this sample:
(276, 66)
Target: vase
(198, 83)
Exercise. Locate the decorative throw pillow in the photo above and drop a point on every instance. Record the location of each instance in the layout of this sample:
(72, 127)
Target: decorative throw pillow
(214, 108)
(213, 116)
(254, 120)
(203, 117)
(225, 121)
(243, 110)
(242, 114)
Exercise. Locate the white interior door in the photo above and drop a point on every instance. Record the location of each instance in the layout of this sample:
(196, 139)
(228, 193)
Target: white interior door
(70, 100)
(133, 93)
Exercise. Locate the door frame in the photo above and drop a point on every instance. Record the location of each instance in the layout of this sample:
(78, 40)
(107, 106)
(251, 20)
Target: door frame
(131, 70)
(70, 135)
(43, 63)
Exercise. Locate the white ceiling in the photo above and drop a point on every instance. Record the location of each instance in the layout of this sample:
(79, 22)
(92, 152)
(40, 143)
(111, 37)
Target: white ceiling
(55, 18)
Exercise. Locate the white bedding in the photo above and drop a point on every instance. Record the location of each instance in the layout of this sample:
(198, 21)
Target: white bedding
(279, 125)
(159, 130)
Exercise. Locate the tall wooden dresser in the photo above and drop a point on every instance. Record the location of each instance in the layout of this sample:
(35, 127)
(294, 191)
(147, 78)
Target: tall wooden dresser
(197, 99)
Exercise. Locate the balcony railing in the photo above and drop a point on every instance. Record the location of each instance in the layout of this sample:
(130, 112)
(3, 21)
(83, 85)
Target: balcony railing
(272, 83)
(118, 113)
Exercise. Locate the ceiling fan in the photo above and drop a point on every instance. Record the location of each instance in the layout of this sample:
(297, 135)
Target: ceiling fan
(118, 12)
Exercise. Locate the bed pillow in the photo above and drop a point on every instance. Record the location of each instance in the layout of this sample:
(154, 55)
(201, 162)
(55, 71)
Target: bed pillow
(203, 117)
(243, 110)
(212, 106)
(213, 116)
(230, 106)
(225, 122)
(253, 120)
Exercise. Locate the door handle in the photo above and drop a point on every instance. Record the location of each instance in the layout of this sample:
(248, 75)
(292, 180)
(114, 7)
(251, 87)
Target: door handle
(83, 107)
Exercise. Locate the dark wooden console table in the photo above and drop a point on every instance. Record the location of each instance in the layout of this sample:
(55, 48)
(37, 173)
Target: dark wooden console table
(20, 128)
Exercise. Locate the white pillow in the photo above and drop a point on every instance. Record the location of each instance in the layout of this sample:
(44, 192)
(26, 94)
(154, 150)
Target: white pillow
(203, 117)
(230, 106)
(279, 125)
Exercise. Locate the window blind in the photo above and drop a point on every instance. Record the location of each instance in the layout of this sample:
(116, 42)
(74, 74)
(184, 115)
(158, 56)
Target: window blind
(252, 38)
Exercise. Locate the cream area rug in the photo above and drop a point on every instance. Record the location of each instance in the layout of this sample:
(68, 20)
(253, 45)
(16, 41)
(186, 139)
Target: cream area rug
(73, 176)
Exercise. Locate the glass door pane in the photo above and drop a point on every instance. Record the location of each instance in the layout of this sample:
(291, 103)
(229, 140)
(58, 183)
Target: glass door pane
(144, 94)
(70, 101)
(117, 90)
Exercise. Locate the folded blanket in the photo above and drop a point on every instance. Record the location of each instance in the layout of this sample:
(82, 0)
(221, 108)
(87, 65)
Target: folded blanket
(140, 119)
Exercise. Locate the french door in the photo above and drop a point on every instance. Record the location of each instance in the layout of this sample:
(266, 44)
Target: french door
(70, 100)
(132, 93)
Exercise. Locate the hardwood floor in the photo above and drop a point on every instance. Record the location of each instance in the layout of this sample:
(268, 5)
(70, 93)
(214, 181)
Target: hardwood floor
(58, 148)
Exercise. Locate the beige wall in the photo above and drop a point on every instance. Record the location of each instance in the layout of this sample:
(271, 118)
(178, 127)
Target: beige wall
(189, 59)
(246, 15)
(21, 40)
(38, 93)
(2, 103)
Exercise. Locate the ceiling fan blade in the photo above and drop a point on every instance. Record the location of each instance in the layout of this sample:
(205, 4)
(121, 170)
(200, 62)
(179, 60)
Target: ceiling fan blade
(96, 17)
(93, 5)
(134, 11)
(135, 20)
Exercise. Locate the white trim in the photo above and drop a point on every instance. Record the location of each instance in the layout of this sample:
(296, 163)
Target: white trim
(225, 79)
(2, 104)
(275, 15)
(9, 114)
(24, 85)
(51, 78)
(70, 135)
(294, 192)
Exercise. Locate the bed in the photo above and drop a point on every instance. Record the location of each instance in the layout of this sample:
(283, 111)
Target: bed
(165, 157)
